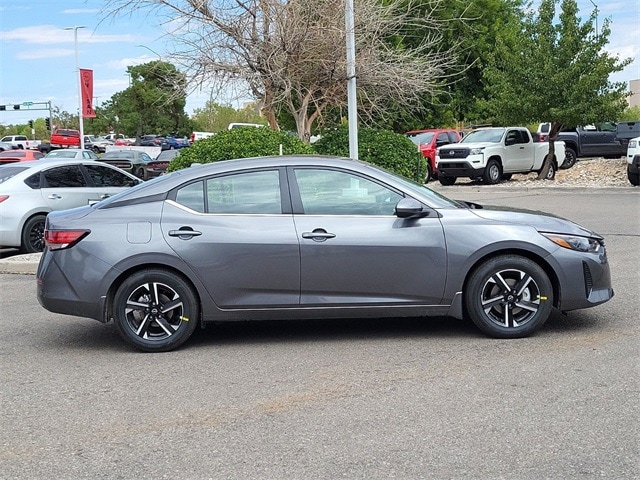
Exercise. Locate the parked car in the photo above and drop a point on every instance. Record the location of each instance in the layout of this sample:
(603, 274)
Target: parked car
(62, 138)
(633, 161)
(428, 141)
(154, 141)
(599, 140)
(132, 161)
(200, 135)
(7, 146)
(30, 190)
(18, 141)
(494, 154)
(159, 165)
(97, 144)
(299, 237)
(13, 156)
(72, 153)
(175, 143)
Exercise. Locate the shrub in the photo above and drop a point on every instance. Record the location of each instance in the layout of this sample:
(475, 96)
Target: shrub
(384, 148)
(239, 143)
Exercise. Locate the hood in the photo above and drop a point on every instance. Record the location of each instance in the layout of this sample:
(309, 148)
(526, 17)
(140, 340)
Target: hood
(541, 221)
(469, 145)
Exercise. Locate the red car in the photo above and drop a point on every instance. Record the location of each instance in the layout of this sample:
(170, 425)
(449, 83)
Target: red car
(430, 139)
(12, 156)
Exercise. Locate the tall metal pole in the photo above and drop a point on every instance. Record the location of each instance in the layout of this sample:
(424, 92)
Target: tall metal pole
(80, 110)
(351, 79)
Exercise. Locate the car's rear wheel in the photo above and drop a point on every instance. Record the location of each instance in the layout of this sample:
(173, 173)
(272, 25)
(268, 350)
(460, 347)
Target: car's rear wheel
(492, 173)
(634, 177)
(509, 296)
(33, 235)
(155, 310)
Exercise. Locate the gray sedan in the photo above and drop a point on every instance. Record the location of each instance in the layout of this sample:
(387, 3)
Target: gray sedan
(310, 237)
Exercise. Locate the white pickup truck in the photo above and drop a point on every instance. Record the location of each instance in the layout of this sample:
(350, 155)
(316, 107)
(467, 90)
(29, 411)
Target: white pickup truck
(21, 142)
(494, 154)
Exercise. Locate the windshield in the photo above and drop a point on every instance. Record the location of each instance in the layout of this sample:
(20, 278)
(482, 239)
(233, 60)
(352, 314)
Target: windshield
(62, 153)
(491, 135)
(421, 138)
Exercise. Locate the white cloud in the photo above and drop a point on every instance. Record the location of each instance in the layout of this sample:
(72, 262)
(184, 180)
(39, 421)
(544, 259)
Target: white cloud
(44, 53)
(50, 34)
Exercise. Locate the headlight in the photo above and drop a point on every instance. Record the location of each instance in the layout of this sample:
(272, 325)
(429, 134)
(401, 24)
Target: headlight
(632, 143)
(476, 151)
(574, 242)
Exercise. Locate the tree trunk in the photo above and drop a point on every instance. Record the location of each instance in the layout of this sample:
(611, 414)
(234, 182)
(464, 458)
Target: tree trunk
(548, 159)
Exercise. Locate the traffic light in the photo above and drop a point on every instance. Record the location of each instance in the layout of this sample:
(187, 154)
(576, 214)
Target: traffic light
(47, 122)
(30, 123)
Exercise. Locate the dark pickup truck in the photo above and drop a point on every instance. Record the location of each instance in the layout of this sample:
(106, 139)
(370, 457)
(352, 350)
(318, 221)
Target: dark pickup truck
(608, 140)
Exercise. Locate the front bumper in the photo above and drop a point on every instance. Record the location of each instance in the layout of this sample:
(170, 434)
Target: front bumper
(459, 169)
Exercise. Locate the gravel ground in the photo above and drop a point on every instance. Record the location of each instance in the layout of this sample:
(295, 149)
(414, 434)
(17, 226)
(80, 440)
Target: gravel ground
(587, 172)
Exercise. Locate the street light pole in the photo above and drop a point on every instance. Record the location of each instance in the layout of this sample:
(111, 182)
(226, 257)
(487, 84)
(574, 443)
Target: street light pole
(80, 119)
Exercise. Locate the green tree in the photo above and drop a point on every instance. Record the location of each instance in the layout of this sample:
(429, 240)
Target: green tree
(556, 69)
(154, 103)
(214, 117)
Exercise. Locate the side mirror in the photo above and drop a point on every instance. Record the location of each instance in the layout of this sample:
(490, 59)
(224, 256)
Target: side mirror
(410, 208)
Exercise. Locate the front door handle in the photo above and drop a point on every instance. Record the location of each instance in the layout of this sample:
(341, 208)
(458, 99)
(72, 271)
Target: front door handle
(318, 235)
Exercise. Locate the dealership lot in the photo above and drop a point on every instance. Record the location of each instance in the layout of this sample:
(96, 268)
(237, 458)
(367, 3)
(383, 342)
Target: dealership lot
(385, 398)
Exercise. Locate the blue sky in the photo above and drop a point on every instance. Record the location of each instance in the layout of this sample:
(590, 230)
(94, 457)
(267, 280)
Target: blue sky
(38, 62)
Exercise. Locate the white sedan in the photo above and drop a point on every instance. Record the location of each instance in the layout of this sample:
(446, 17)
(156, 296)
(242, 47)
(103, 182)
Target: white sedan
(30, 190)
(72, 153)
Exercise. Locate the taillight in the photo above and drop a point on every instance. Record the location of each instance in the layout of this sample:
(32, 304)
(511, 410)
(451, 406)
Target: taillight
(3, 198)
(60, 239)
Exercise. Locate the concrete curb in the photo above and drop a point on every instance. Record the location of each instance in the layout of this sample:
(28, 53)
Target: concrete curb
(21, 264)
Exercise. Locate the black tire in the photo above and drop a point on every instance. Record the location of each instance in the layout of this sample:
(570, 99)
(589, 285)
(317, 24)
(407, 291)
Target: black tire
(446, 180)
(634, 177)
(570, 158)
(508, 296)
(32, 240)
(429, 174)
(551, 173)
(492, 173)
(142, 174)
(155, 310)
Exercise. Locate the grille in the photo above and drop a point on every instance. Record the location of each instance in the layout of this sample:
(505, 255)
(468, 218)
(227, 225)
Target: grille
(454, 153)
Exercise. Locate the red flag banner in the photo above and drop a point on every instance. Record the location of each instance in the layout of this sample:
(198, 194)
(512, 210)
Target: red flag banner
(86, 85)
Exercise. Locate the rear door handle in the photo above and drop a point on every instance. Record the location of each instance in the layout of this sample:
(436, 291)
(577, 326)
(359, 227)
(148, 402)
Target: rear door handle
(318, 235)
(184, 233)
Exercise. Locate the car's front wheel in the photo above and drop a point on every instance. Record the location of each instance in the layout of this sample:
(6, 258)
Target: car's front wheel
(446, 180)
(33, 235)
(492, 173)
(155, 310)
(508, 296)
